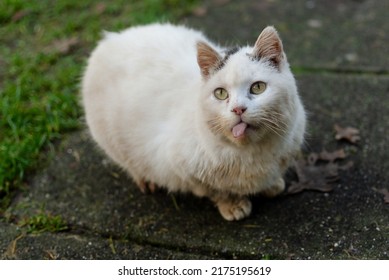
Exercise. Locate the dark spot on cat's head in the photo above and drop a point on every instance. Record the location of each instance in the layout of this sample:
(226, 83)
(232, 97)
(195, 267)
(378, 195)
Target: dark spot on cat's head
(231, 51)
(273, 62)
(227, 55)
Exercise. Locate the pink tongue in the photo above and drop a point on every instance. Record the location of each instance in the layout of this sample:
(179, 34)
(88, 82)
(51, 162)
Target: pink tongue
(238, 130)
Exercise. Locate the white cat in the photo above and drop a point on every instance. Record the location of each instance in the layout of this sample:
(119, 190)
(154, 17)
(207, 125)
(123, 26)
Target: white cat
(177, 111)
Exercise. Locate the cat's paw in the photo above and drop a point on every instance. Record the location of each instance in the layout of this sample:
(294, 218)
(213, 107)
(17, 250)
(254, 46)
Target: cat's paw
(277, 188)
(147, 187)
(234, 209)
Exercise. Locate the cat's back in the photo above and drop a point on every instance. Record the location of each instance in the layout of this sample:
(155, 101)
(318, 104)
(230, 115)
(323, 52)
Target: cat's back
(140, 83)
(142, 67)
(155, 39)
(154, 51)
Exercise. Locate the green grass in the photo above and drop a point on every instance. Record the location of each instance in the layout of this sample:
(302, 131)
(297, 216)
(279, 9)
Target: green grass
(43, 222)
(39, 84)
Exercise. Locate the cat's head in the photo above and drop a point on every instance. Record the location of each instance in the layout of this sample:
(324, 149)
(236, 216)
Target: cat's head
(248, 93)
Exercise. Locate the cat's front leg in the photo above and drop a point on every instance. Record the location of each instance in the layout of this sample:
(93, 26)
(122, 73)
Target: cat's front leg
(233, 208)
(275, 189)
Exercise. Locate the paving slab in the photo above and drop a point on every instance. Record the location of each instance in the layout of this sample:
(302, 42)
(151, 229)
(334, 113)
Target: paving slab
(339, 53)
(16, 244)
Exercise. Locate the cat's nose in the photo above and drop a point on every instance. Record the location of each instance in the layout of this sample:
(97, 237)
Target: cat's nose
(239, 110)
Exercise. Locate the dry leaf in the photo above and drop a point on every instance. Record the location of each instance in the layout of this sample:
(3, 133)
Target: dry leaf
(307, 173)
(19, 15)
(63, 46)
(385, 192)
(316, 178)
(200, 11)
(347, 166)
(348, 133)
(100, 8)
(315, 175)
(332, 156)
(296, 187)
(326, 156)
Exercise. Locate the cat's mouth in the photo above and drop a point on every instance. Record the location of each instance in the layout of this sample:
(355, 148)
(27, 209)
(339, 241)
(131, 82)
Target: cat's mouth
(239, 129)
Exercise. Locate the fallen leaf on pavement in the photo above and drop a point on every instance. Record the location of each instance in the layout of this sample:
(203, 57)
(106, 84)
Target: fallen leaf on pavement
(296, 187)
(349, 134)
(316, 178)
(326, 156)
(347, 166)
(200, 11)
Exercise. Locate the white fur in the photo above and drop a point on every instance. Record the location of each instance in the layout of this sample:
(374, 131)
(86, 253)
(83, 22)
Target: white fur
(147, 105)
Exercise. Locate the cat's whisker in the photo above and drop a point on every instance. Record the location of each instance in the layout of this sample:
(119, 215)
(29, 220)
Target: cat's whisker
(216, 125)
(279, 122)
(273, 127)
(277, 117)
(272, 113)
(275, 122)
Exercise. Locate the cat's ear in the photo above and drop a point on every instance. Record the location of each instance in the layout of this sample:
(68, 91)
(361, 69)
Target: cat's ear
(269, 46)
(207, 58)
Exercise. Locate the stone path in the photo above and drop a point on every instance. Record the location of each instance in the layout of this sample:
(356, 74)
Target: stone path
(339, 53)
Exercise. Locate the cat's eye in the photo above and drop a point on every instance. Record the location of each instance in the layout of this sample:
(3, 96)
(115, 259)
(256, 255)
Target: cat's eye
(257, 88)
(220, 93)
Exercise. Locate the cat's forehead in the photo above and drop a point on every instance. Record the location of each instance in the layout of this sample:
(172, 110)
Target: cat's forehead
(238, 66)
(227, 55)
